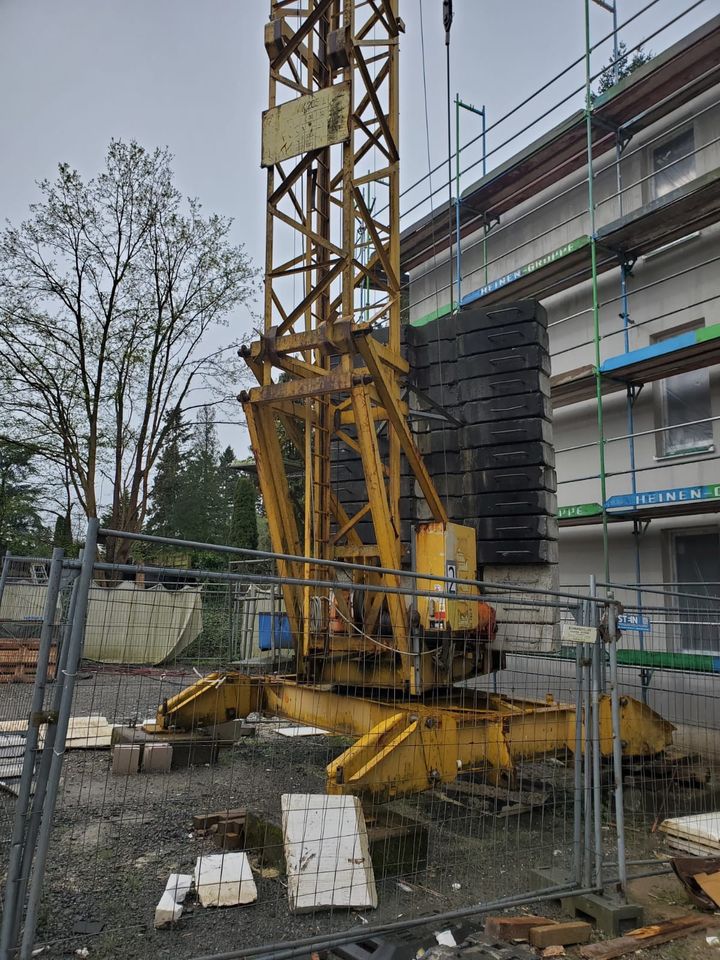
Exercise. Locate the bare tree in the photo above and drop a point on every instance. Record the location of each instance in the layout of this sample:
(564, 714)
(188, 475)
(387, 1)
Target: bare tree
(107, 294)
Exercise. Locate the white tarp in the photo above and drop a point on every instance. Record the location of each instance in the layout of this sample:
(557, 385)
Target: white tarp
(127, 623)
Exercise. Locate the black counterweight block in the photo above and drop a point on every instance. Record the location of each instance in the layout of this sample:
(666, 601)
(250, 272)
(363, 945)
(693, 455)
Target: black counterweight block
(516, 503)
(517, 528)
(505, 385)
(518, 408)
(516, 551)
(494, 433)
(505, 479)
(534, 453)
(522, 311)
(513, 336)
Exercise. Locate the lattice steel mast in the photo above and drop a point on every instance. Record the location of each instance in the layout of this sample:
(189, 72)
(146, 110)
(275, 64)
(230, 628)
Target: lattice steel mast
(332, 129)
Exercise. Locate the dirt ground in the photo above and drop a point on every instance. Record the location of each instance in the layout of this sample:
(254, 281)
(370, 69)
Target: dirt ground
(116, 840)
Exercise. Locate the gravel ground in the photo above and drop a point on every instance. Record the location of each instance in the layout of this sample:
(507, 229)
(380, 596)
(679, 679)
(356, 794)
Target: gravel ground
(116, 839)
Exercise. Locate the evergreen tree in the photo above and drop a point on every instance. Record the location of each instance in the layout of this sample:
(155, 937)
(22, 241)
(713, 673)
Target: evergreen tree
(21, 529)
(626, 64)
(63, 536)
(228, 480)
(202, 510)
(168, 494)
(244, 530)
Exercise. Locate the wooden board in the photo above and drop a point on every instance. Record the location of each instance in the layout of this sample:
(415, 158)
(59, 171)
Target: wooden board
(84, 733)
(710, 883)
(18, 660)
(644, 937)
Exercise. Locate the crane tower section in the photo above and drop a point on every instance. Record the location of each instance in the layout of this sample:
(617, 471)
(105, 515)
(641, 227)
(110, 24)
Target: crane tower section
(328, 362)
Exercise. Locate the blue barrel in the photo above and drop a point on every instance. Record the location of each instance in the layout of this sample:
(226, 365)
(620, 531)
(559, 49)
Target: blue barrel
(283, 638)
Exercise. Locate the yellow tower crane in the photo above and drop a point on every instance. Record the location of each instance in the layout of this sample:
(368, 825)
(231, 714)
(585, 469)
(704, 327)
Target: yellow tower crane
(330, 373)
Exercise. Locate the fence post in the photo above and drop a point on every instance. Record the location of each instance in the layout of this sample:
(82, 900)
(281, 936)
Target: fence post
(617, 747)
(578, 769)
(595, 670)
(43, 770)
(35, 719)
(74, 653)
(4, 573)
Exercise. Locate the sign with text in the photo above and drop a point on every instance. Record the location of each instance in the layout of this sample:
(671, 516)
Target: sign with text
(579, 510)
(703, 491)
(633, 621)
(574, 633)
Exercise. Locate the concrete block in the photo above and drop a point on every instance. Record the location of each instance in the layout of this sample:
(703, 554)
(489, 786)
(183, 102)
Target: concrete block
(157, 758)
(531, 637)
(225, 880)
(125, 759)
(611, 916)
(327, 852)
(537, 577)
(169, 909)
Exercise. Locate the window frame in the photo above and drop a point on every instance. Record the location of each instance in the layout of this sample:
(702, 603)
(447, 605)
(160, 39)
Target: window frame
(661, 144)
(663, 429)
(672, 535)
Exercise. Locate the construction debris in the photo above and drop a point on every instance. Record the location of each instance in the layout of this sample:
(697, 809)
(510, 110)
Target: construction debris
(228, 826)
(698, 834)
(169, 909)
(689, 870)
(644, 937)
(224, 880)
(326, 852)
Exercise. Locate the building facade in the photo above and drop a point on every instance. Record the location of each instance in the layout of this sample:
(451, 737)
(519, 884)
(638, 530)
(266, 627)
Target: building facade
(525, 233)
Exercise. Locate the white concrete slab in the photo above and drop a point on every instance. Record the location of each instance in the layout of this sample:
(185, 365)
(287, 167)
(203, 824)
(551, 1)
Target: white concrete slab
(327, 852)
(167, 911)
(224, 880)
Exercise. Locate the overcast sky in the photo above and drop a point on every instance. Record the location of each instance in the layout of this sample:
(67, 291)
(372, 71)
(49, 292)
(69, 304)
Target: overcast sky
(192, 75)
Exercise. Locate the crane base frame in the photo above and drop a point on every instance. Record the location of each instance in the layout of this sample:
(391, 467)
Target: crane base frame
(405, 746)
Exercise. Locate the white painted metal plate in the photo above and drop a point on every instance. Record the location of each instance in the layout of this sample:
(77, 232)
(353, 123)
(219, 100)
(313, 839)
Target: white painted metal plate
(310, 122)
(327, 852)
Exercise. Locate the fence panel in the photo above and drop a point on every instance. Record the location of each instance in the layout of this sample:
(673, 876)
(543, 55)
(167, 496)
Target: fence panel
(500, 788)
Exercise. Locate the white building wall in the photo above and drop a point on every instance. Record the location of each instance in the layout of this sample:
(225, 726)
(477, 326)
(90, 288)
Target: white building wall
(666, 290)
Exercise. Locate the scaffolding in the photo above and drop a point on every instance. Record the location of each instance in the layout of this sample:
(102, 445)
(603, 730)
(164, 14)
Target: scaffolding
(577, 148)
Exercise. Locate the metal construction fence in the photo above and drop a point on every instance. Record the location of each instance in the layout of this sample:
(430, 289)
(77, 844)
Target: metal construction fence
(345, 813)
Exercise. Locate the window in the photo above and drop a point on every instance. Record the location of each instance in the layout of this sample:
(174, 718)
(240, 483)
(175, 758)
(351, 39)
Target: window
(696, 559)
(673, 164)
(683, 399)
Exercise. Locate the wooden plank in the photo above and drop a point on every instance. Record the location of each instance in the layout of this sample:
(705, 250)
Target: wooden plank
(514, 928)
(560, 934)
(644, 937)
